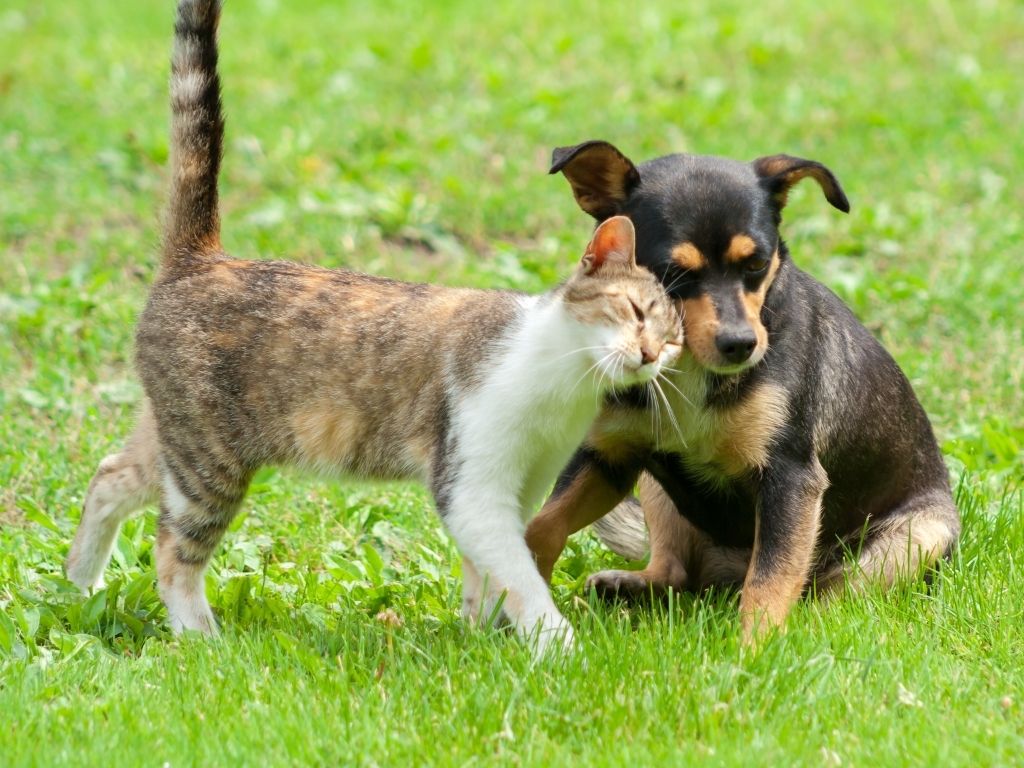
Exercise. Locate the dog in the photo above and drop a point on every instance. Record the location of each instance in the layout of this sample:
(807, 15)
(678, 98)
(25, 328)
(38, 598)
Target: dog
(788, 437)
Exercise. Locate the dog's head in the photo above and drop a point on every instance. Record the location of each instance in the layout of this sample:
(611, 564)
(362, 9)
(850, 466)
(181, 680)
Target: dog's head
(708, 228)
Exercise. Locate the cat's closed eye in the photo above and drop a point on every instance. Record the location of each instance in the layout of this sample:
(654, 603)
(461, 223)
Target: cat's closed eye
(637, 312)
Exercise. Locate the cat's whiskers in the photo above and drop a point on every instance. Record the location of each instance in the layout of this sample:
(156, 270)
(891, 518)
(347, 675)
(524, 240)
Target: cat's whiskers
(669, 411)
(613, 379)
(576, 352)
(678, 279)
(680, 371)
(587, 372)
(655, 412)
(669, 381)
(606, 372)
(620, 372)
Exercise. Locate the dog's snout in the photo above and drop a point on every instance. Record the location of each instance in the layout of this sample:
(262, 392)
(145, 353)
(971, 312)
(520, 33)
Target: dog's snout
(736, 344)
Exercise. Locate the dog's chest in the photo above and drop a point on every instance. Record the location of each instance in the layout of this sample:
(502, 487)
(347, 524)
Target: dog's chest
(717, 442)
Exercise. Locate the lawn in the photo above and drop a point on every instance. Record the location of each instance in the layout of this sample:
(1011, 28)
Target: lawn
(412, 140)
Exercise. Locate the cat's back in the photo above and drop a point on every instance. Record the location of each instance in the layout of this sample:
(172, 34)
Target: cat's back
(254, 347)
(246, 302)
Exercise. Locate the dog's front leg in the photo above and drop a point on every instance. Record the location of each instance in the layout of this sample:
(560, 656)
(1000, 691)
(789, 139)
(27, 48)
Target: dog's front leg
(588, 488)
(788, 515)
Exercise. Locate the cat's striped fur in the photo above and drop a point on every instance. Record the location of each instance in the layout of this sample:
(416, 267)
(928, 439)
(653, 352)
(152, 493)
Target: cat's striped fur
(483, 395)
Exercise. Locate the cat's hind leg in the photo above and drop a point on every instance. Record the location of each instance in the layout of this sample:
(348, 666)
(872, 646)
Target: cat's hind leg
(196, 506)
(124, 482)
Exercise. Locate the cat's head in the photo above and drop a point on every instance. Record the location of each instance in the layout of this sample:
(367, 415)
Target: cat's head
(632, 325)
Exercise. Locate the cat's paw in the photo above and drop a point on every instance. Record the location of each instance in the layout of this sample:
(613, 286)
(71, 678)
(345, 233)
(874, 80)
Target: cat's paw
(470, 607)
(85, 581)
(553, 635)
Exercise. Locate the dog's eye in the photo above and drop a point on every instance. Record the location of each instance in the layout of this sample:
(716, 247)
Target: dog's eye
(755, 265)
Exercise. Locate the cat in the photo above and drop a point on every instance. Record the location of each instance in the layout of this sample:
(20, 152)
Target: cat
(482, 395)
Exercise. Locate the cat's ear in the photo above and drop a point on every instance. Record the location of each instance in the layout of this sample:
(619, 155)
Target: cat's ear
(614, 242)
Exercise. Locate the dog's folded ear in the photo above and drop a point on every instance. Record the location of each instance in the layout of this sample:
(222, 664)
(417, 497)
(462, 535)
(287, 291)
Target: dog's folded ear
(780, 172)
(601, 176)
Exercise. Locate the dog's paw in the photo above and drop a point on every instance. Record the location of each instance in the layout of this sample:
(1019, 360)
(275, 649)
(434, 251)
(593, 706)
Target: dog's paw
(611, 584)
(760, 618)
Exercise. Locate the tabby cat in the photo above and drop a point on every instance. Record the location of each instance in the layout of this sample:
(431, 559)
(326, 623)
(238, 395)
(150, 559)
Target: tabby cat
(482, 395)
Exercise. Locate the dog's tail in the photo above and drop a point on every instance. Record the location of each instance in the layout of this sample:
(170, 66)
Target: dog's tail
(192, 225)
(623, 530)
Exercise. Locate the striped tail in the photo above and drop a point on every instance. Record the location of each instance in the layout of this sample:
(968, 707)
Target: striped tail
(192, 226)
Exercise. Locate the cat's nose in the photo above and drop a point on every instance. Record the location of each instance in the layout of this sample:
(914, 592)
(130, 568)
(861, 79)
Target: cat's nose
(646, 355)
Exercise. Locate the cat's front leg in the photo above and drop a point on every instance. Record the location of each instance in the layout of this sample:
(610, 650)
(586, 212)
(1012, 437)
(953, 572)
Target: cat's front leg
(488, 529)
(472, 589)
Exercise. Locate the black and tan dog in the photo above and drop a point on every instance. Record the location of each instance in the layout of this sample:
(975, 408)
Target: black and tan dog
(789, 436)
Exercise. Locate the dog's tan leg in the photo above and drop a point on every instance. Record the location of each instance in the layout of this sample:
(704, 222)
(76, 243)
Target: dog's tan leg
(672, 540)
(902, 546)
(788, 516)
(583, 497)
(123, 483)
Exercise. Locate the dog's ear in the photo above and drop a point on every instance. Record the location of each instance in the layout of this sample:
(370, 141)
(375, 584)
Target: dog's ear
(780, 172)
(614, 242)
(601, 176)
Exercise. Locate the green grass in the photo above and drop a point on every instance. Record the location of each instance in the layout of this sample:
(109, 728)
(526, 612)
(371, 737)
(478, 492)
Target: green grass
(411, 139)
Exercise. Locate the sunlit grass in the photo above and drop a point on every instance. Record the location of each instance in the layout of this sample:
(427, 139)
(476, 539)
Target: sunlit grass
(412, 140)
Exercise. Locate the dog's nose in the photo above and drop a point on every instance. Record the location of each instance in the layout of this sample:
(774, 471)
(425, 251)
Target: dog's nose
(736, 345)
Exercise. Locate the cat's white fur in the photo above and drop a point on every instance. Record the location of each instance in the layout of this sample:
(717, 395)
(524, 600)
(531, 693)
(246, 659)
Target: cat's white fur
(515, 432)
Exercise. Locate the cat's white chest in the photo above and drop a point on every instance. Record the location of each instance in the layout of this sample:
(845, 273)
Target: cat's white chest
(521, 425)
(550, 454)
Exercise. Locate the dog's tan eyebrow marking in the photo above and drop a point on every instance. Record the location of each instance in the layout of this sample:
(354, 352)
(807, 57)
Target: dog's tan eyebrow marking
(687, 256)
(740, 248)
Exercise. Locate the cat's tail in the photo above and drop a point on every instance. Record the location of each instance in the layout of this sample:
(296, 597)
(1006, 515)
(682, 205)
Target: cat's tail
(623, 530)
(192, 225)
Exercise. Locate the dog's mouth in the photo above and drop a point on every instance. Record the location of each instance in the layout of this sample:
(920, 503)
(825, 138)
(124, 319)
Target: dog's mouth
(721, 367)
(729, 370)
